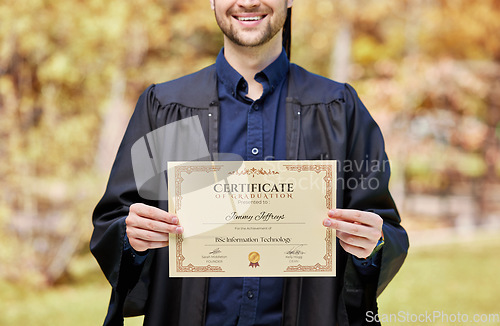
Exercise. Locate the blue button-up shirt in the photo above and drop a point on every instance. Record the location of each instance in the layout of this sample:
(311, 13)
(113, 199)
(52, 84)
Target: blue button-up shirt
(255, 130)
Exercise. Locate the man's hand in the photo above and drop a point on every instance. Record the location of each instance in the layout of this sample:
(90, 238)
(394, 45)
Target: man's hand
(358, 231)
(148, 227)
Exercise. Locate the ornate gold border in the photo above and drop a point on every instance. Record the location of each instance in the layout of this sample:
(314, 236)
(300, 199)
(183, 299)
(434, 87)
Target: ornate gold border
(328, 198)
(253, 172)
(328, 267)
(178, 199)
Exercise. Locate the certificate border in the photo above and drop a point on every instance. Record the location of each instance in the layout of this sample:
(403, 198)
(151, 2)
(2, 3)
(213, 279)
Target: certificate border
(328, 168)
(328, 257)
(178, 199)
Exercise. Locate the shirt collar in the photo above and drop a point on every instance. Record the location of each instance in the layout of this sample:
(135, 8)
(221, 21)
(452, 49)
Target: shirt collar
(273, 74)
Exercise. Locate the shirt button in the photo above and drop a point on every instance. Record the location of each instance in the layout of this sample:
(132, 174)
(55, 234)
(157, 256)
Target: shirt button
(255, 151)
(250, 294)
(256, 107)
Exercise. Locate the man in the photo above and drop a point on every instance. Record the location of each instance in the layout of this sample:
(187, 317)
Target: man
(256, 104)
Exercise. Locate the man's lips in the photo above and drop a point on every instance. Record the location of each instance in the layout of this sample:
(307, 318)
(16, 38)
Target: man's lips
(249, 17)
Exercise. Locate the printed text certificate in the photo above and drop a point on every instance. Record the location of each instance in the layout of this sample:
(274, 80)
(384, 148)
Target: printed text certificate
(252, 218)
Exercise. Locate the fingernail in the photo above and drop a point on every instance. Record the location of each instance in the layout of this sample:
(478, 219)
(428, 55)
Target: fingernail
(179, 229)
(327, 222)
(175, 220)
(331, 212)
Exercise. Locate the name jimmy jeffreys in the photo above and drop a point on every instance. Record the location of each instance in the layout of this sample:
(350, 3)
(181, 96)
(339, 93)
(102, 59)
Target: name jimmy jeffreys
(262, 216)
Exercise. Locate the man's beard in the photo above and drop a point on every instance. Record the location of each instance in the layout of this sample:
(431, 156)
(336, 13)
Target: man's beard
(237, 36)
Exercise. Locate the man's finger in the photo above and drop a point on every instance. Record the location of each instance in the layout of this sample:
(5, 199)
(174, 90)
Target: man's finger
(143, 245)
(353, 215)
(354, 240)
(155, 213)
(150, 224)
(148, 235)
(354, 250)
(347, 227)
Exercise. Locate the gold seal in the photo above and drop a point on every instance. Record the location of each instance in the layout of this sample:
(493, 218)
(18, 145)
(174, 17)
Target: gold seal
(254, 258)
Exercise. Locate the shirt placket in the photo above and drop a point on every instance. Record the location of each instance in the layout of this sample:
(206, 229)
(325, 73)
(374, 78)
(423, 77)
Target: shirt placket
(250, 296)
(255, 148)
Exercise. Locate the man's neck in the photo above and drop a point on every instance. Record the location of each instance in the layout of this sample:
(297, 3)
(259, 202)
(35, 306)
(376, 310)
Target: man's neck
(248, 61)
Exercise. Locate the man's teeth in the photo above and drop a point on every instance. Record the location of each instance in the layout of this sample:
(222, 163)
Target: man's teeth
(250, 18)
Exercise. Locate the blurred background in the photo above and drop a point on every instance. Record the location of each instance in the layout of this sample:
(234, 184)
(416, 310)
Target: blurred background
(71, 72)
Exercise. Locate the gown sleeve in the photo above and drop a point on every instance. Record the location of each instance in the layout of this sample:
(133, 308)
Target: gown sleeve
(108, 242)
(371, 170)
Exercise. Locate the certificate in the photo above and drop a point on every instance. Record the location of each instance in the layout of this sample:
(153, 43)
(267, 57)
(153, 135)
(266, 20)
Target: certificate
(252, 218)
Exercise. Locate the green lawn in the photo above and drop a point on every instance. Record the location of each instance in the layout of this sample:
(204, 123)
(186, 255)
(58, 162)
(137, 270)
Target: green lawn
(83, 302)
(449, 282)
(451, 279)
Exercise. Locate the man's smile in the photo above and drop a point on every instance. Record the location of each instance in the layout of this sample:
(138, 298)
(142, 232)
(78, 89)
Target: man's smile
(249, 17)
(253, 18)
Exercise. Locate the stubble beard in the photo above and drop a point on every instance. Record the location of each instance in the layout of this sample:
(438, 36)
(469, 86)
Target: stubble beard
(238, 37)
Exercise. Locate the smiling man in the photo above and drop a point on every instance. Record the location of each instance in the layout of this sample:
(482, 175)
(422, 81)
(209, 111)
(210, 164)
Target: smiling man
(254, 103)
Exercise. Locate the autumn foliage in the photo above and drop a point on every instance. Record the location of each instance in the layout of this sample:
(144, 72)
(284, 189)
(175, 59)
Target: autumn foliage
(71, 71)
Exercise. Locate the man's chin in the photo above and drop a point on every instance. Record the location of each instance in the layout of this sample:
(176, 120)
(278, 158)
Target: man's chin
(250, 40)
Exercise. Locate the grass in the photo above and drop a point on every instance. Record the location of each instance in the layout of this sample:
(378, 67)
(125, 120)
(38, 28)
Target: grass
(445, 281)
(451, 279)
(82, 301)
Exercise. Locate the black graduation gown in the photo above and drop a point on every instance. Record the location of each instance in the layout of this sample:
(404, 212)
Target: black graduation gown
(325, 120)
